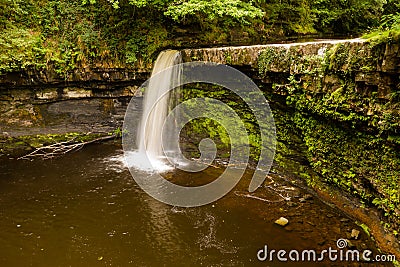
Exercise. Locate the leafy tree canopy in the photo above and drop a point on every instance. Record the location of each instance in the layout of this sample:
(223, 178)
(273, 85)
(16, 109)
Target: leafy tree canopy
(68, 34)
(237, 10)
(347, 15)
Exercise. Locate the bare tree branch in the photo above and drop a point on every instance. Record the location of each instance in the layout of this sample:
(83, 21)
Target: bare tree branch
(61, 148)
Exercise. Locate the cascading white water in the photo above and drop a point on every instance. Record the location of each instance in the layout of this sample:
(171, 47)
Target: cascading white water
(155, 107)
(158, 147)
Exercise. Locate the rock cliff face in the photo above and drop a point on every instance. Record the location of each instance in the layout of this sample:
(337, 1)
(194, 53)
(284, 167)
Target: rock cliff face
(83, 101)
(376, 67)
(319, 69)
(344, 103)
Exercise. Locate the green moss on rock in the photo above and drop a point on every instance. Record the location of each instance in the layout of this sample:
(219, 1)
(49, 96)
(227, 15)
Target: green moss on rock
(22, 145)
(346, 110)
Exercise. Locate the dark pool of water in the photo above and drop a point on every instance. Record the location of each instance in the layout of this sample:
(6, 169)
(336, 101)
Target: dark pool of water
(86, 210)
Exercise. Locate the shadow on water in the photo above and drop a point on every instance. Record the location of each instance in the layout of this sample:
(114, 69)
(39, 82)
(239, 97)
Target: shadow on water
(86, 210)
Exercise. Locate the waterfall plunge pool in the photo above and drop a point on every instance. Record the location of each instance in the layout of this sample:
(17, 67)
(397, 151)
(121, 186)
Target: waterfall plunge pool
(86, 210)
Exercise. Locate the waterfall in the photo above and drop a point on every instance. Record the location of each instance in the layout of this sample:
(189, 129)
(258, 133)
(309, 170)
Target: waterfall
(157, 101)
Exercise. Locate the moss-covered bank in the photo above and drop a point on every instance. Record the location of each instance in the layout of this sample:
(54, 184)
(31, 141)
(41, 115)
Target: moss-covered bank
(337, 113)
(15, 147)
(346, 109)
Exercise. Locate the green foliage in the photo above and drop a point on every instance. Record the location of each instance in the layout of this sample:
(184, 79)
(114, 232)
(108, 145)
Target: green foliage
(145, 47)
(132, 49)
(350, 135)
(290, 17)
(20, 49)
(359, 163)
(118, 132)
(67, 35)
(237, 10)
(114, 3)
(347, 16)
(332, 74)
(366, 229)
(388, 30)
(208, 128)
(19, 146)
(390, 21)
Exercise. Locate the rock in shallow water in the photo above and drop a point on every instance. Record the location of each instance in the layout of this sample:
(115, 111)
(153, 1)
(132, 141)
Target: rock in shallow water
(355, 234)
(308, 197)
(282, 221)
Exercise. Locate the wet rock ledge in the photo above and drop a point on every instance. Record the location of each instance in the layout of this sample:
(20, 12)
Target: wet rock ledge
(88, 100)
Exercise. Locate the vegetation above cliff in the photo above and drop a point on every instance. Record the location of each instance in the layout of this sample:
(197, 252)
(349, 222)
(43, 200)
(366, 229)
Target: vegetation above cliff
(65, 35)
(388, 30)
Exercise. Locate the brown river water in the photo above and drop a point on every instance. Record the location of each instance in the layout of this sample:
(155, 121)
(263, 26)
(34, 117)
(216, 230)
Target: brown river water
(84, 209)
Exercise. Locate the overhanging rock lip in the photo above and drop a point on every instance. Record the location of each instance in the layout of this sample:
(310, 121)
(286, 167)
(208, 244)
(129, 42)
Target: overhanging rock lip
(248, 55)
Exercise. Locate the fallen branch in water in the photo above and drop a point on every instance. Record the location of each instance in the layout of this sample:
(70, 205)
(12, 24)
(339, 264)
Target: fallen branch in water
(61, 148)
(273, 189)
(259, 198)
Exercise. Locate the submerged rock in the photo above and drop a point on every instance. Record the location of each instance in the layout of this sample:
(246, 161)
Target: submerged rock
(307, 197)
(350, 245)
(344, 220)
(355, 234)
(291, 204)
(282, 221)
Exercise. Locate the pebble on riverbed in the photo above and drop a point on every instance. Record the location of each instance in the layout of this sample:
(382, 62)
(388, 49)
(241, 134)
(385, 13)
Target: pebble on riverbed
(282, 221)
(308, 197)
(344, 220)
(291, 204)
(305, 198)
(355, 234)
